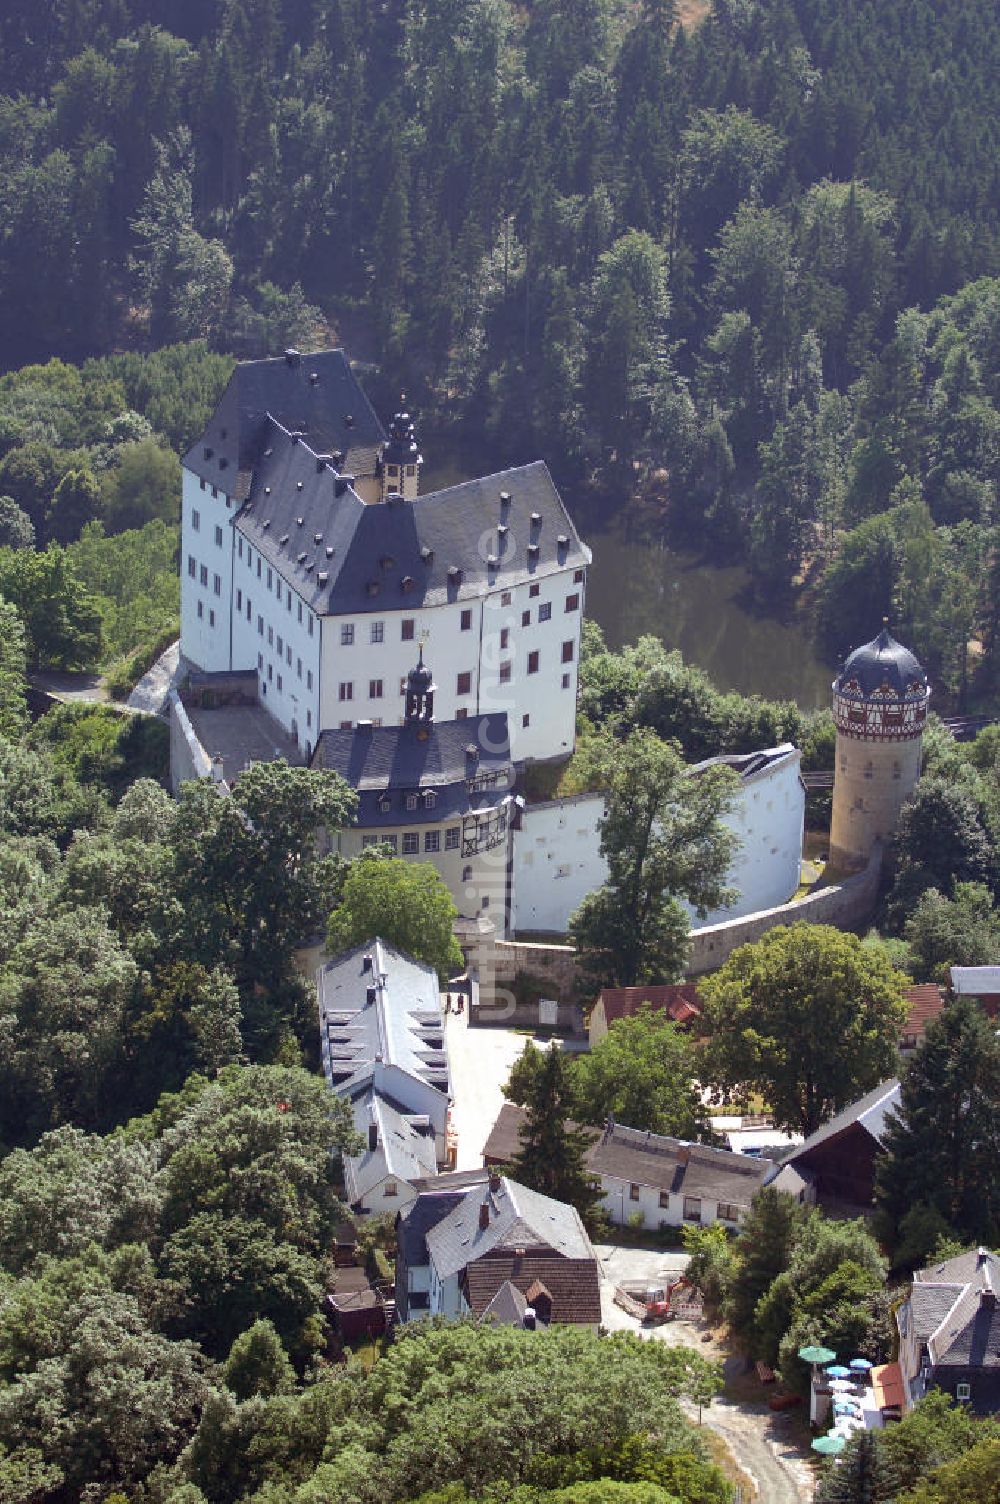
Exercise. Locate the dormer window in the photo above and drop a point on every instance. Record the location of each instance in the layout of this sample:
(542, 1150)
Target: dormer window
(411, 801)
(384, 804)
(430, 799)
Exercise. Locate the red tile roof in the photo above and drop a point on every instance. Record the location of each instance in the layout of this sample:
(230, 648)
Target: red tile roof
(679, 1000)
(925, 1000)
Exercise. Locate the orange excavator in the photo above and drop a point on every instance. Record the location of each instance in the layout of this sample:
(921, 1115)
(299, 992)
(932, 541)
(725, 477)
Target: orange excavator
(658, 1301)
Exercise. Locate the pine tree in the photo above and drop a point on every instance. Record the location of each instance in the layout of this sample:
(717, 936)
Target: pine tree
(943, 1144)
(552, 1154)
(863, 1475)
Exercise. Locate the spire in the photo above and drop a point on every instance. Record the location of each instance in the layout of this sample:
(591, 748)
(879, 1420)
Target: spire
(401, 457)
(419, 693)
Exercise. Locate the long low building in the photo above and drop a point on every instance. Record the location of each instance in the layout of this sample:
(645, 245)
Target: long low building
(651, 1180)
(382, 1042)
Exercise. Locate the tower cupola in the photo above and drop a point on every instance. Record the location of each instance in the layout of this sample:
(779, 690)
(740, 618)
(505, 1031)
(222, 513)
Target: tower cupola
(401, 458)
(420, 689)
(880, 708)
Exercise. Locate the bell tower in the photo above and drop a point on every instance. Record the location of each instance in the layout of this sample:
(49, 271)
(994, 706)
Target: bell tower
(420, 686)
(879, 706)
(401, 459)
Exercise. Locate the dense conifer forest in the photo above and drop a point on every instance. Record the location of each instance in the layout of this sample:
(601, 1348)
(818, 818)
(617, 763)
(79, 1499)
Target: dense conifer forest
(742, 266)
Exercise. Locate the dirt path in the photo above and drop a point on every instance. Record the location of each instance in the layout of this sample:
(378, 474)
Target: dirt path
(761, 1447)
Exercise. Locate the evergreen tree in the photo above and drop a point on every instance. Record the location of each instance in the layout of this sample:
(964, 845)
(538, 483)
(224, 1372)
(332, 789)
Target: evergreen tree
(863, 1475)
(943, 1144)
(551, 1158)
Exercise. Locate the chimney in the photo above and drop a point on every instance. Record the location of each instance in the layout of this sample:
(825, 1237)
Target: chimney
(372, 1137)
(218, 769)
(528, 1320)
(484, 1216)
(322, 460)
(987, 1294)
(494, 1183)
(370, 994)
(366, 964)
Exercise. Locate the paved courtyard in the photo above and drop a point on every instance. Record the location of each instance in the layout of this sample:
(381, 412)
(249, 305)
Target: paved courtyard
(480, 1061)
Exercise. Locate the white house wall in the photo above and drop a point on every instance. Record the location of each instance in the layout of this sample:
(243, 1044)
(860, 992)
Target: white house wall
(557, 857)
(557, 862)
(368, 652)
(617, 1201)
(206, 573)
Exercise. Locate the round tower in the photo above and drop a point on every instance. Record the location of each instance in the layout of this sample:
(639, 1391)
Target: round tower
(879, 706)
(401, 460)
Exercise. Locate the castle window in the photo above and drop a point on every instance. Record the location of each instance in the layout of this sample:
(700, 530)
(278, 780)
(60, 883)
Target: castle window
(533, 662)
(218, 537)
(573, 602)
(533, 590)
(432, 840)
(270, 671)
(258, 566)
(298, 667)
(249, 608)
(280, 645)
(505, 672)
(378, 631)
(346, 692)
(309, 678)
(578, 577)
(270, 637)
(260, 660)
(196, 521)
(300, 610)
(526, 721)
(525, 618)
(239, 600)
(567, 680)
(346, 634)
(217, 584)
(505, 598)
(211, 618)
(270, 579)
(464, 685)
(192, 566)
(466, 621)
(279, 684)
(567, 652)
(312, 620)
(408, 629)
(288, 654)
(260, 626)
(545, 611)
(203, 574)
(411, 842)
(374, 689)
(451, 836)
(239, 548)
(201, 610)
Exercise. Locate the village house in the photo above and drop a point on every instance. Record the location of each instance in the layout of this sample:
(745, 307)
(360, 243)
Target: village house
(382, 1042)
(651, 1180)
(949, 1332)
(980, 982)
(498, 1251)
(679, 1001)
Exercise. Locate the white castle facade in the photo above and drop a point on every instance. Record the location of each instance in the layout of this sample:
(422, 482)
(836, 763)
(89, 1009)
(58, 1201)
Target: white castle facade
(309, 557)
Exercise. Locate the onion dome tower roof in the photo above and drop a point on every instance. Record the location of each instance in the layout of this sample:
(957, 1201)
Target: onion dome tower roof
(420, 679)
(882, 667)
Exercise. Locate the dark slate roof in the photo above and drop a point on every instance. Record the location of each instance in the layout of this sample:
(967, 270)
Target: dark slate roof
(430, 1208)
(405, 1149)
(651, 1159)
(421, 757)
(882, 664)
(929, 1305)
(868, 1112)
(315, 395)
(346, 558)
(573, 1283)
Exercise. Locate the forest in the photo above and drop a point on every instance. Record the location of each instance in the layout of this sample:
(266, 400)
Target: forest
(736, 276)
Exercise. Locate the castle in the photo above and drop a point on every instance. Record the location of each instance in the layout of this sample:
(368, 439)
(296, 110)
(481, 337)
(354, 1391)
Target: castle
(310, 559)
